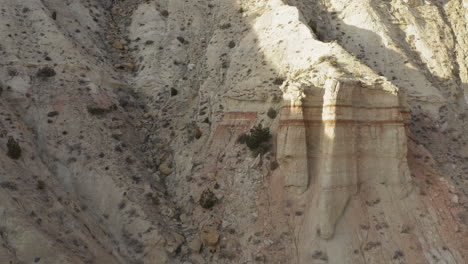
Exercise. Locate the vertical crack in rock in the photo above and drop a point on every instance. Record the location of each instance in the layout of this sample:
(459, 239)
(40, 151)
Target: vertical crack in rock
(292, 140)
(338, 166)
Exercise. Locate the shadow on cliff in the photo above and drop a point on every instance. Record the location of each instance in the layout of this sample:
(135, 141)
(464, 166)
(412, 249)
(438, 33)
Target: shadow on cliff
(452, 99)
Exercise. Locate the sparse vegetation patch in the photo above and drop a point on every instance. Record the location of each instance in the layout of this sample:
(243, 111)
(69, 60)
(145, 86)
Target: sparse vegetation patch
(278, 81)
(14, 149)
(41, 185)
(208, 199)
(232, 44)
(93, 110)
(258, 140)
(225, 26)
(45, 72)
(164, 13)
(272, 113)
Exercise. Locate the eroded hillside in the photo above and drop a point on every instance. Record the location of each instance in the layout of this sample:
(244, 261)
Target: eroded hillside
(128, 116)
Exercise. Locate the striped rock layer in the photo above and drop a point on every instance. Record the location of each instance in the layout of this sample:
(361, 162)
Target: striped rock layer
(341, 138)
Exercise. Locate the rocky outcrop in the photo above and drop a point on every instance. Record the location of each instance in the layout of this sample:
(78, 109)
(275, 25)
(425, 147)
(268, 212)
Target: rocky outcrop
(350, 134)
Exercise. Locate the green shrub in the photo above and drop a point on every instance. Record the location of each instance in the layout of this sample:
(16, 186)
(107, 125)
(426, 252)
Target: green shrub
(331, 59)
(225, 26)
(113, 107)
(258, 135)
(94, 110)
(197, 133)
(278, 81)
(97, 110)
(53, 113)
(9, 185)
(242, 139)
(274, 165)
(12, 72)
(272, 113)
(153, 198)
(181, 40)
(208, 199)
(41, 185)
(164, 13)
(174, 92)
(257, 140)
(14, 149)
(45, 72)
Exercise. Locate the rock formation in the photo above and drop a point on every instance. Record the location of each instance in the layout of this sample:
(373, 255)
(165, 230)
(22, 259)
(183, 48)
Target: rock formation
(352, 135)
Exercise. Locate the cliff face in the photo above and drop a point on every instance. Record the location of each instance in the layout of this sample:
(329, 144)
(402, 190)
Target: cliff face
(357, 197)
(353, 137)
(128, 115)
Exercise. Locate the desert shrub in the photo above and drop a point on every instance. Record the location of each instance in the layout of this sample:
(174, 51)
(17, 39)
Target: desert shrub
(95, 110)
(262, 148)
(274, 165)
(208, 199)
(9, 185)
(331, 59)
(113, 107)
(257, 140)
(41, 185)
(231, 44)
(242, 139)
(258, 135)
(45, 72)
(164, 13)
(1, 90)
(197, 133)
(153, 198)
(225, 26)
(181, 40)
(174, 92)
(320, 255)
(278, 81)
(12, 72)
(53, 113)
(14, 149)
(271, 113)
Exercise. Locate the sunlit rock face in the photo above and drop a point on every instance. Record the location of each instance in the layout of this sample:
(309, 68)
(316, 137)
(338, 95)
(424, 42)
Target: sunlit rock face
(343, 136)
(292, 138)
